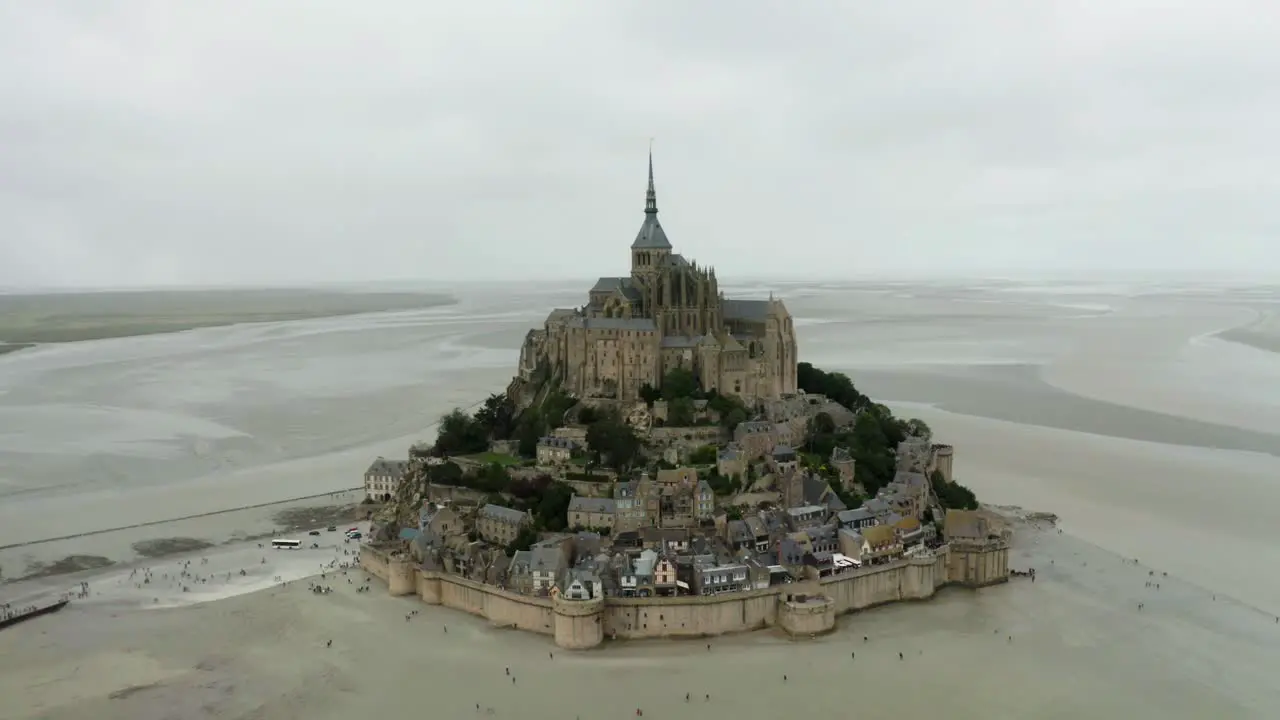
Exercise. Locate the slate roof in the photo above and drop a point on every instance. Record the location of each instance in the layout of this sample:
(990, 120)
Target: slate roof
(383, 466)
(753, 426)
(732, 451)
(876, 506)
(617, 284)
(504, 514)
(680, 341)
(651, 235)
(546, 559)
(849, 517)
(853, 535)
(591, 505)
(756, 526)
(561, 314)
(754, 310)
(603, 323)
(520, 562)
(790, 552)
(910, 479)
(644, 563)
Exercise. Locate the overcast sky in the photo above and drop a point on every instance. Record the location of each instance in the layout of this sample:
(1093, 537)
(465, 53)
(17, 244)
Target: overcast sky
(207, 142)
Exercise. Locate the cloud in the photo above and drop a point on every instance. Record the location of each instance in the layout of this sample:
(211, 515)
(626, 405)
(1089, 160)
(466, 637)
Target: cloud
(209, 143)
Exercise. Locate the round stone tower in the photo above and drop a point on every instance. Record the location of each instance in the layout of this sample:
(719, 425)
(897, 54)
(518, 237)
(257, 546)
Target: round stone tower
(579, 623)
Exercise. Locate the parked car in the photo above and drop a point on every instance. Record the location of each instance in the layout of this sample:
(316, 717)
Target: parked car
(333, 528)
(314, 532)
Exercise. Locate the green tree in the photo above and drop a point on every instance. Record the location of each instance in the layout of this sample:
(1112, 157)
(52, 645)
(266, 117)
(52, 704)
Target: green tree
(554, 408)
(705, 455)
(836, 386)
(449, 473)
(952, 495)
(531, 429)
(680, 412)
(587, 415)
(650, 394)
(492, 478)
(730, 408)
(733, 418)
(552, 509)
(460, 434)
(918, 428)
(679, 383)
(822, 424)
(524, 540)
(497, 417)
(612, 442)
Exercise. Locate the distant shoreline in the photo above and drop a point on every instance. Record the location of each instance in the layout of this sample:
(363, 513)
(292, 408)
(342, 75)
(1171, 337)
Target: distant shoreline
(30, 320)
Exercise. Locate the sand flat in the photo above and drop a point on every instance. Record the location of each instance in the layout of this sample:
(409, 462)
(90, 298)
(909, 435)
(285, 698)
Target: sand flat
(312, 402)
(1080, 648)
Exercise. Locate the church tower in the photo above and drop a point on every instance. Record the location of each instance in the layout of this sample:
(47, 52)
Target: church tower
(651, 249)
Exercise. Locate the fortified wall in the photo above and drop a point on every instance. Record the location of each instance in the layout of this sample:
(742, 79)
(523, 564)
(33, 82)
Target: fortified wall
(799, 609)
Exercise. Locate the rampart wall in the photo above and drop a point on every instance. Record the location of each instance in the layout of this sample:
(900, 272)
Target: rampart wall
(583, 625)
(374, 562)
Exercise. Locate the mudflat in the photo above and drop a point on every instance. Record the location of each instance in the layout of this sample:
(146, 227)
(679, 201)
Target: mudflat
(68, 317)
(1071, 644)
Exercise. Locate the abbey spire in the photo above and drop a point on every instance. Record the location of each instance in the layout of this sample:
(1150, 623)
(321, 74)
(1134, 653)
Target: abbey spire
(651, 235)
(651, 196)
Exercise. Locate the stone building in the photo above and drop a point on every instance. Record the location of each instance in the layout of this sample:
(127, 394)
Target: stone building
(589, 512)
(382, 479)
(844, 465)
(756, 439)
(940, 460)
(555, 450)
(667, 313)
(500, 525)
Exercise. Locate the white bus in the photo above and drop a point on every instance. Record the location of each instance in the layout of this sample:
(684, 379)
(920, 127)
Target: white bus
(286, 544)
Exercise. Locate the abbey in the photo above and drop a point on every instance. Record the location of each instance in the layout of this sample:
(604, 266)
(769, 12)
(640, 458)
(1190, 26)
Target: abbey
(668, 313)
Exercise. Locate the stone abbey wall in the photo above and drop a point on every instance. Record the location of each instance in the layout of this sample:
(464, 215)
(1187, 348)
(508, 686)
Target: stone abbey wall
(582, 625)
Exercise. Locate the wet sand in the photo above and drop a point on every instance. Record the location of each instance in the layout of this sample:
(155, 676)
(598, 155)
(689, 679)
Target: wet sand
(224, 418)
(263, 655)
